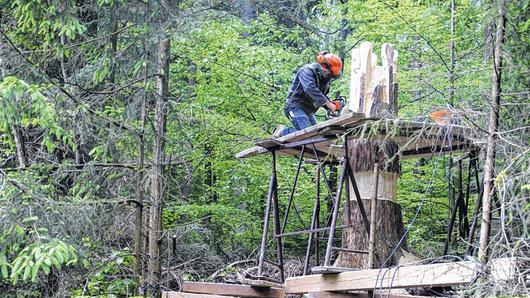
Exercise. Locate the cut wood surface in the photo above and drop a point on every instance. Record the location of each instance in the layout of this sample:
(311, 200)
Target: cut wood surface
(442, 274)
(231, 289)
(170, 294)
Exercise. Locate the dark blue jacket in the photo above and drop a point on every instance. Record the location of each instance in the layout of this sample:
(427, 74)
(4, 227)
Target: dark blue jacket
(309, 88)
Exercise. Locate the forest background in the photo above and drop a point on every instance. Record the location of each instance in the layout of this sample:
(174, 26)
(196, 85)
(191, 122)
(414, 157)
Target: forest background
(110, 105)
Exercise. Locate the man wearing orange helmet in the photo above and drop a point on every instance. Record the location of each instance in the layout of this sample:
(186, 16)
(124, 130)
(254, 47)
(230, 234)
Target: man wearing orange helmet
(308, 93)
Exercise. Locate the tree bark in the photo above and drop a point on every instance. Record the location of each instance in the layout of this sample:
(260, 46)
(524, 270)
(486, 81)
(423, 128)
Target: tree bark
(19, 146)
(492, 136)
(139, 220)
(157, 181)
(389, 224)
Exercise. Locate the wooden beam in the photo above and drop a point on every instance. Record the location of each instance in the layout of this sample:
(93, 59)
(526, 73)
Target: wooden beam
(171, 294)
(260, 283)
(442, 274)
(410, 135)
(314, 130)
(231, 290)
(359, 295)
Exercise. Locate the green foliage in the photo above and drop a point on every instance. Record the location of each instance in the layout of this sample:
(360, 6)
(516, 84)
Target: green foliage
(48, 22)
(25, 105)
(101, 281)
(40, 256)
(229, 77)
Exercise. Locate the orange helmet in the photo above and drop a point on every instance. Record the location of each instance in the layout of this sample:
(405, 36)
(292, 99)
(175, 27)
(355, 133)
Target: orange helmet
(331, 62)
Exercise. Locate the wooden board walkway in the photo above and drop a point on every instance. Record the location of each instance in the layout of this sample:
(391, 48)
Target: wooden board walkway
(416, 139)
(209, 288)
(432, 275)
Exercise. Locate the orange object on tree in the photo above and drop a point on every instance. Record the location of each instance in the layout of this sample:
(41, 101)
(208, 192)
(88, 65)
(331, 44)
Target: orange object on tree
(442, 117)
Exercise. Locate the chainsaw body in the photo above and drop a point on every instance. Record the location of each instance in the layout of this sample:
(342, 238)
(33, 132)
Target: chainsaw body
(334, 114)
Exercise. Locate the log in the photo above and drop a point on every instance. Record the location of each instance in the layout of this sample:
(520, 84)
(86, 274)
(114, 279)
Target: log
(388, 231)
(389, 226)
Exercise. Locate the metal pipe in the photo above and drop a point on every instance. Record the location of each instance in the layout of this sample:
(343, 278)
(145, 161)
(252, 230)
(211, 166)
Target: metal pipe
(291, 194)
(276, 211)
(335, 215)
(314, 223)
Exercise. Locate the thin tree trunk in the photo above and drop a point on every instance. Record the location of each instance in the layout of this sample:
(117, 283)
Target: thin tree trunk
(492, 136)
(451, 193)
(157, 181)
(138, 238)
(114, 42)
(19, 146)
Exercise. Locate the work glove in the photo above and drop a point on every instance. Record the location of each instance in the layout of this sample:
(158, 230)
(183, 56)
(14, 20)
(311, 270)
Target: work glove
(338, 105)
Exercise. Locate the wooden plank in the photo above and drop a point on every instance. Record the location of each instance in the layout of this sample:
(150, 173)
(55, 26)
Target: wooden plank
(407, 134)
(231, 289)
(311, 131)
(330, 270)
(359, 295)
(170, 294)
(260, 283)
(443, 274)
(267, 143)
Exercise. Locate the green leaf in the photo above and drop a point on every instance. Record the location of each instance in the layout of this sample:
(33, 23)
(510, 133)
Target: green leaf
(46, 269)
(5, 273)
(27, 273)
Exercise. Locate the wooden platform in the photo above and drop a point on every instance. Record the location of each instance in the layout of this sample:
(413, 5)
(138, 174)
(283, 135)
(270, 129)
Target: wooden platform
(415, 139)
(432, 275)
(223, 289)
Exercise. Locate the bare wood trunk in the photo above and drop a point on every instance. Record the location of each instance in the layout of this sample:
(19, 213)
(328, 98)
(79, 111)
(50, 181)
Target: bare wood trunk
(492, 136)
(389, 224)
(19, 146)
(157, 181)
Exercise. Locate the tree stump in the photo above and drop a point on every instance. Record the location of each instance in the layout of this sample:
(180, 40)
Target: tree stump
(389, 225)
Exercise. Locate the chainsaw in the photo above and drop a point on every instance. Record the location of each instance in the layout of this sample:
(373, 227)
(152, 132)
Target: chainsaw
(334, 114)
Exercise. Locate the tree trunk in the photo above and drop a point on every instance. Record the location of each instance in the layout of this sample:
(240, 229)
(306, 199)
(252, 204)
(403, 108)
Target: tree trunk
(389, 224)
(492, 136)
(139, 266)
(157, 181)
(20, 147)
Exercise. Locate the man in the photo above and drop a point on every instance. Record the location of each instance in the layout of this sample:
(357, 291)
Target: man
(308, 93)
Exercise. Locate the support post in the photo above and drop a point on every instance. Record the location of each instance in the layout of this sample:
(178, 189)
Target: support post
(277, 228)
(455, 207)
(314, 225)
(373, 219)
(267, 215)
(344, 169)
(291, 195)
(476, 212)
